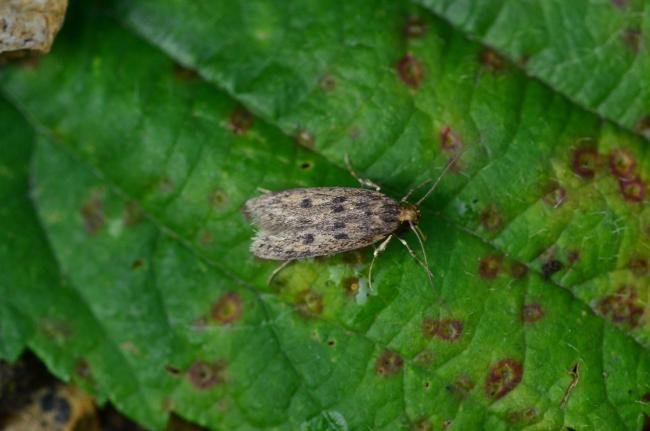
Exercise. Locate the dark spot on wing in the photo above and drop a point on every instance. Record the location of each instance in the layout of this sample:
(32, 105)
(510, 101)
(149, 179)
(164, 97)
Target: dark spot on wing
(305, 203)
(308, 239)
(339, 225)
(339, 199)
(338, 209)
(341, 236)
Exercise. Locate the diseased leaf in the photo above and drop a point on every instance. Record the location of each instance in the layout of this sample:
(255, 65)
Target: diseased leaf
(142, 169)
(543, 181)
(596, 53)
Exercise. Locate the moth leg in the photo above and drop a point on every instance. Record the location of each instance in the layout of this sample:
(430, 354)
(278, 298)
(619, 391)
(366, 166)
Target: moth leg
(417, 259)
(263, 191)
(376, 253)
(276, 271)
(363, 181)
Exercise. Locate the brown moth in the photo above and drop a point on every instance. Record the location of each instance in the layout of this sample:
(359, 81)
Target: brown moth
(322, 221)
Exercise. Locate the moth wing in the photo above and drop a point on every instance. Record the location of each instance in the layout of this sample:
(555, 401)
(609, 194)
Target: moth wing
(298, 245)
(320, 221)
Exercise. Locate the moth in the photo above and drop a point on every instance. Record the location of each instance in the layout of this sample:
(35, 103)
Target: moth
(322, 221)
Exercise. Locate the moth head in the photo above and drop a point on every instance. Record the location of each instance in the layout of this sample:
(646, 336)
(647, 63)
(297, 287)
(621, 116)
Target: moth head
(409, 214)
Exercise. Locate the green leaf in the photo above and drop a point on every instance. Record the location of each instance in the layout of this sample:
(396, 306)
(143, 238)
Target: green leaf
(546, 183)
(594, 52)
(16, 236)
(142, 168)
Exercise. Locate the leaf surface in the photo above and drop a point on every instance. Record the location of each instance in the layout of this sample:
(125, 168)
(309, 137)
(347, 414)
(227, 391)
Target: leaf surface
(142, 169)
(596, 53)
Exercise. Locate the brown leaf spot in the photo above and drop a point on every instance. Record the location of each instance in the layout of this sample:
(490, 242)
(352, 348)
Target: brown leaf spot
(184, 73)
(491, 60)
(449, 141)
(421, 425)
(631, 37)
(518, 270)
(327, 83)
(531, 313)
(204, 375)
(306, 165)
(228, 309)
(526, 415)
(551, 267)
(82, 369)
(389, 363)
(646, 397)
(573, 256)
(584, 162)
(133, 214)
(309, 303)
(632, 190)
(137, 264)
(414, 28)
(305, 139)
(490, 266)
(643, 126)
(351, 285)
(622, 307)
(462, 386)
(217, 198)
(555, 195)
(638, 265)
(410, 71)
(620, 4)
(446, 329)
(503, 377)
(92, 212)
(622, 164)
(240, 121)
(490, 217)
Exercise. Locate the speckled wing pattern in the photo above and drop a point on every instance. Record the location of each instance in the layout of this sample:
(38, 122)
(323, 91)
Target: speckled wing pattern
(319, 221)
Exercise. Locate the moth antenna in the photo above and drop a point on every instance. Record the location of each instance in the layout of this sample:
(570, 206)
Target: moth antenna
(417, 259)
(435, 184)
(417, 228)
(419, 186)
(277, 270)
(419, 236)
(363, 181)
(376, 253)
